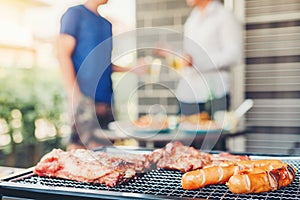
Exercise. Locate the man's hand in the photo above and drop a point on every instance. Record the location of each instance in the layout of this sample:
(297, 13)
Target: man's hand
(141, 67)
(187, 60)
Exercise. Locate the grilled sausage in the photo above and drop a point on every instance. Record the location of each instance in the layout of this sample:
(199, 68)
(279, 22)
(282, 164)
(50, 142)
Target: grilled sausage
(261, 181)
(207, 176)
(220, 174)
(284, 175)
(250, 164)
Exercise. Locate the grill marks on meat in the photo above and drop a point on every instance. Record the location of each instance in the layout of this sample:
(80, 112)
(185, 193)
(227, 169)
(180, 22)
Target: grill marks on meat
(88, 166)
(141, 162)
(176, 156)
(112, 169)
(262, 181)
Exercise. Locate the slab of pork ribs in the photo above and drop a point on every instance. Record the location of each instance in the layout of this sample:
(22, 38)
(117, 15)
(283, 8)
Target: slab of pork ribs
(112, 169)
(177, 156)
(89, 166)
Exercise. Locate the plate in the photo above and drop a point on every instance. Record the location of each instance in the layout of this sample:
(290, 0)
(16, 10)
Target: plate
(151, 131)
(129, 127)
(194, 128)
(200, 131)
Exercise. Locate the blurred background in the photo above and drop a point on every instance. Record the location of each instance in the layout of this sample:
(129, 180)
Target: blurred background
(33, 117)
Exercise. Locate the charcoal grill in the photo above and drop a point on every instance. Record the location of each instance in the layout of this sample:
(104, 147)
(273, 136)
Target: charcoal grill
(155, 184)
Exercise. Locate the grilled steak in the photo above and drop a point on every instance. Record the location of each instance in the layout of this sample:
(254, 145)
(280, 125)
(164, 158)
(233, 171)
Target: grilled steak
(115, 168)
(176, 156)
(88, 166)
(179, 157)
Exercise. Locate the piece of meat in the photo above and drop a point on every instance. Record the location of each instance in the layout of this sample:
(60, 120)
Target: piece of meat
(185, 158)
(207, 176)
(176, 156)
(115, 168)
(219, 174)
(262, 181)
(227, 158)
(89, 166)
(140, 162)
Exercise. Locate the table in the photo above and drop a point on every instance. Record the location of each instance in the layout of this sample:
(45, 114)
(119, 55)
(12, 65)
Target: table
(205, 140)
(5, 171)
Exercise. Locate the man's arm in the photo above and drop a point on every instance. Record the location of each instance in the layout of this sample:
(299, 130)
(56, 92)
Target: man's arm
(231, 39)
(66, 46)
(139, 69)
(117, 68)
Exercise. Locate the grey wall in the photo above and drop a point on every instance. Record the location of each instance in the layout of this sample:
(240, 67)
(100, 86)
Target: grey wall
(272, 68)
(272, 75)
(166, 14)
(161, 13)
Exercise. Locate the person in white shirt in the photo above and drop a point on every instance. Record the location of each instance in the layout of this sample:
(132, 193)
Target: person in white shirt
(212, 44)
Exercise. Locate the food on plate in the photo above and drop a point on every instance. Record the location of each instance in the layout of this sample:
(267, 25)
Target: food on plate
(177, 156)
(242, 176)
(199, 121)
(155, 122)
(262, 181)
(195, 118)
(89, 166)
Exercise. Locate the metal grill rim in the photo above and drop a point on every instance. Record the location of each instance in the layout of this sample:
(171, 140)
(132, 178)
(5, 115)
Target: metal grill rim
(167, 183)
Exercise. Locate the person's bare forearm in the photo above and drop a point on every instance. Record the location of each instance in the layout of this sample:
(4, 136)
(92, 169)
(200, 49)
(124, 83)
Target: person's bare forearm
(117, 68)
(66, 45)
(69, 77)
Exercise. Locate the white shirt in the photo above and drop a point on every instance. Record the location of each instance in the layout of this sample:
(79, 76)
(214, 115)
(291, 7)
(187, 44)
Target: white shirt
(213, 38)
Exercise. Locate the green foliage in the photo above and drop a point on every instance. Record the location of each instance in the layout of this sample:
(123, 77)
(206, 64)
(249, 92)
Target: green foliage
(36, 93)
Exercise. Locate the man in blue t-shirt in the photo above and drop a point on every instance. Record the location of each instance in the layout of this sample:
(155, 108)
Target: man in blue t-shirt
(84, 54)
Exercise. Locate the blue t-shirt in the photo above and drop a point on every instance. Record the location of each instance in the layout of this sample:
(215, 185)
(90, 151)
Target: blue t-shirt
(92, 54)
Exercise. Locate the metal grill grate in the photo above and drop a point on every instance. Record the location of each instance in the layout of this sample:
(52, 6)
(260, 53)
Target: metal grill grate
(166, 183)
